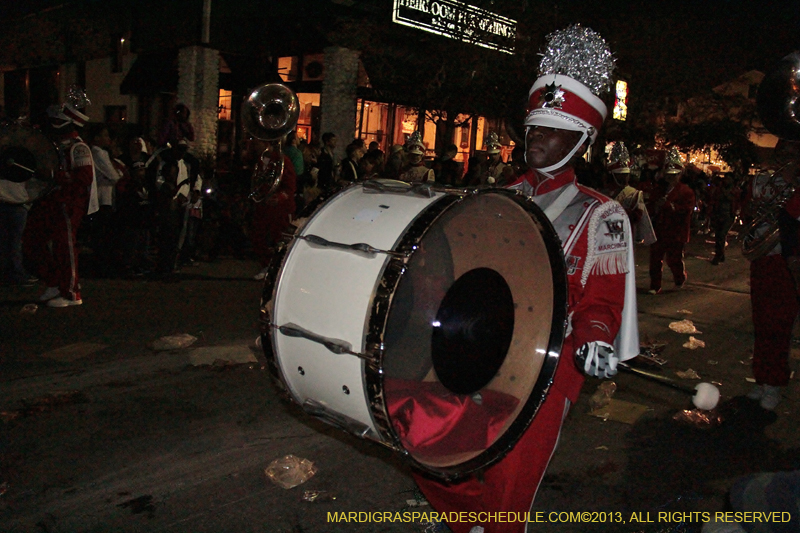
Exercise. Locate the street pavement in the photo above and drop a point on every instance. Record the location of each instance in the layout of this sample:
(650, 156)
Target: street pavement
(99, 432)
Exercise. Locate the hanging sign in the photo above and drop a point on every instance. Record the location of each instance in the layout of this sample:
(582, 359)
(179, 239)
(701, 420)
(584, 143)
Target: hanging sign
(458, 20)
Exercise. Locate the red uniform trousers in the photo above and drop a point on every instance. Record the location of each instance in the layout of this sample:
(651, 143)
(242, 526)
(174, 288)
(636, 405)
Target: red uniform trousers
(511, 484)
(674, 256)
(50, 244)
(773, 297)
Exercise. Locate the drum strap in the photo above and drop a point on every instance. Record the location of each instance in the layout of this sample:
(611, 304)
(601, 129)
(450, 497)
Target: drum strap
(554, 210)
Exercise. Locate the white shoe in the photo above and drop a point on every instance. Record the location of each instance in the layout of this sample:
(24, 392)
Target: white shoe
(771, 397)
(63, 302)
(757, 393)
(49, 293)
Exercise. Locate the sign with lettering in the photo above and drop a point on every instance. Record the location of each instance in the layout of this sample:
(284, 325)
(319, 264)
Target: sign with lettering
(458, 20)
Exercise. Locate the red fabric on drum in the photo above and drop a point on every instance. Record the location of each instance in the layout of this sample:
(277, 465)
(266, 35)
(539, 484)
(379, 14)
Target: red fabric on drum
(431, 421)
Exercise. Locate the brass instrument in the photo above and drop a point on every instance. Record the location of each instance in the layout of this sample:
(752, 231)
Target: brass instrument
(269, 113)
(778, 103)
(757, 243)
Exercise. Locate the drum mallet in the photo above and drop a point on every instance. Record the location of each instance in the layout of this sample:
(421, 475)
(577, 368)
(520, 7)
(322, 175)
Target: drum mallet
(704, 395)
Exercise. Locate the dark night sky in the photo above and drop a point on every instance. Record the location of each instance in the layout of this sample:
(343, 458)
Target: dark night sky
(675, 48)
(682, 46)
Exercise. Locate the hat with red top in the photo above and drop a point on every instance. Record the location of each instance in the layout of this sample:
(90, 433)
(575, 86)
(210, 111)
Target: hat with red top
(619, 160)
(68, 112)
(575, 68)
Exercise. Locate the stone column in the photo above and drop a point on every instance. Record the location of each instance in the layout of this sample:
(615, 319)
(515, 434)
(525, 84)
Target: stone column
(338, 99)
(198, 88)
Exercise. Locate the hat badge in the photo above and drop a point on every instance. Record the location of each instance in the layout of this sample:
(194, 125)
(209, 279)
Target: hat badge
(553, 96)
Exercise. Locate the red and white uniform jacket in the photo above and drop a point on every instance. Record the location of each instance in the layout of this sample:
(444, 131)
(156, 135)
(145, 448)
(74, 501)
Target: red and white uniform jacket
(598, 248)
(77, 189)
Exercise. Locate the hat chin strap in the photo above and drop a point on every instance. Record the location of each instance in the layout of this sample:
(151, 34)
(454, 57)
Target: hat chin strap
(546, 170)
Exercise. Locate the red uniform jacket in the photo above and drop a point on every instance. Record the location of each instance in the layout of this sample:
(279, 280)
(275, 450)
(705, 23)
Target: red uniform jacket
(673, 214)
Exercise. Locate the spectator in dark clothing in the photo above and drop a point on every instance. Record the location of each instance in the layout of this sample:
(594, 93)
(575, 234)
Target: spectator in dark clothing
(326, 177)
(169, 210)
(350, 164)
(178, 128)
(133, 214)
(448, 170)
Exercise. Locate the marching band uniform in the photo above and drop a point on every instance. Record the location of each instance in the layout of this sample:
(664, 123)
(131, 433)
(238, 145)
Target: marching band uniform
(272, 216)
(496, 164)
(602, 327)
(54, 221)
(416, 171)
(672, 223)
(773, 296)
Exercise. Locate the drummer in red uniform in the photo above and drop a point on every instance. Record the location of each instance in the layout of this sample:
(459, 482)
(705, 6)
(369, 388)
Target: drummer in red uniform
(50, 236)
(564, 117)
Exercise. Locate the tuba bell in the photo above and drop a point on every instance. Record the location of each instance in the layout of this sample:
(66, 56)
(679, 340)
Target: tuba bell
(269, 113)
(778, 103)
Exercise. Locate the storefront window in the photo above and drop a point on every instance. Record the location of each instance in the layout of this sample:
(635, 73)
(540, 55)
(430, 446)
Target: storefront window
(224, 105)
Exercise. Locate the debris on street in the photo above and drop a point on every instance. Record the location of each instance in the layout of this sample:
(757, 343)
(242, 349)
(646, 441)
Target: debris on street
(172, 342)
(318, 496)
(684, 326)
(602, 395)
(28, 309)
(687, 374)
(699, 418)
(290, 471)
(684, 312)
(621, 411)
(694, 344)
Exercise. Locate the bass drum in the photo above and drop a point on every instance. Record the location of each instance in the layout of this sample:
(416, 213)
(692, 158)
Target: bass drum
(28, 162)
(430, 321)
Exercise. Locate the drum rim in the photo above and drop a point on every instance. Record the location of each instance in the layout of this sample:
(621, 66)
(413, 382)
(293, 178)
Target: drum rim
(378, 320)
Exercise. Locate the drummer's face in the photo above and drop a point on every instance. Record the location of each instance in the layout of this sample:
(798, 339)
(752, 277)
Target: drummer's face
(547, 146)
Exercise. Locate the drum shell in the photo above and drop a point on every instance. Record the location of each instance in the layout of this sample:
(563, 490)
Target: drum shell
(351, 389)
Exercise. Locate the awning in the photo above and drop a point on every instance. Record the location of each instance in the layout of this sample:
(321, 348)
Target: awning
(241, 74)
(152, 73)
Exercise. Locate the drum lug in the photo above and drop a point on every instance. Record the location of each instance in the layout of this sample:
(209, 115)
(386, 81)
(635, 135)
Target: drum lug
(336, 346)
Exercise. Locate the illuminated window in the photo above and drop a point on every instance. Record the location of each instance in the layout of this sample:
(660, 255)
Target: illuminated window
(225, 100)
(621, 101)
(288, 67)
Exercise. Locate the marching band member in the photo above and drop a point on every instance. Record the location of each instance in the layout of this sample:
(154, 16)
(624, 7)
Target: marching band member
(415, 170)
(564, 117)
(773, 292)
(54, 221)
(672, 221)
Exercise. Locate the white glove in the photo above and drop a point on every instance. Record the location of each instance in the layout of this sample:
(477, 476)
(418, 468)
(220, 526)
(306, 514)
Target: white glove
(597, 359)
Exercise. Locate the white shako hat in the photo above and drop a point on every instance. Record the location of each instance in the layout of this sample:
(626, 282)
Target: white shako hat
(68, 112)
(673, 163)
(492, 143)
(414, 144)
(619, 160)
(575, 68)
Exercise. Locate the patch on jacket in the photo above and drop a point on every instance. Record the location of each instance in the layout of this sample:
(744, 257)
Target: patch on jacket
(81, 155)
(608, 242)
